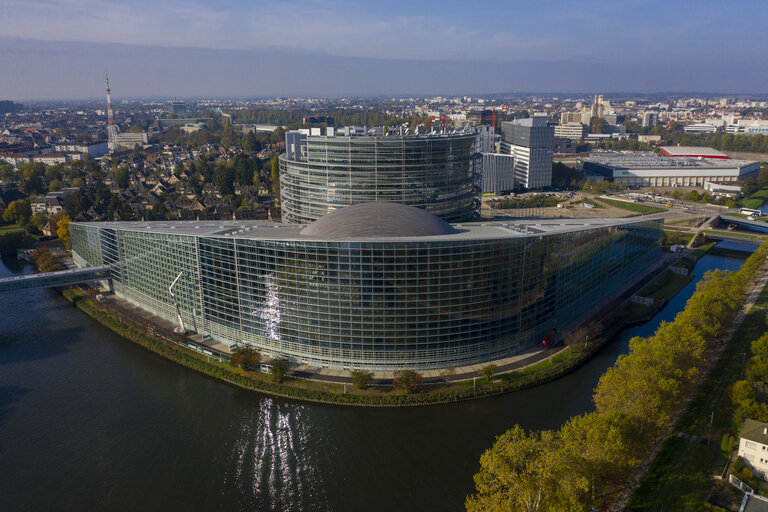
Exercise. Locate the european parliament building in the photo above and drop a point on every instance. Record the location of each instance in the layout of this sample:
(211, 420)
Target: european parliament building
(375, 285)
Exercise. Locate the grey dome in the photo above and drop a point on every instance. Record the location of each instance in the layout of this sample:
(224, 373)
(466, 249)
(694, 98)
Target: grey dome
(378, 219)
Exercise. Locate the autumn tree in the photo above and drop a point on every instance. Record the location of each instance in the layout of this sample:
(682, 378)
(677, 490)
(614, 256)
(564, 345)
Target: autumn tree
(62, 230)
(17, 212)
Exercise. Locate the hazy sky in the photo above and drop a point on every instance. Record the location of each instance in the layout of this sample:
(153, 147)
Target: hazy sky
(60, 48)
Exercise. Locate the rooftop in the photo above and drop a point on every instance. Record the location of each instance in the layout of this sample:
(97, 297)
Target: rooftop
(755, 431)
(649, 159)
(677, 151)
(372, 222)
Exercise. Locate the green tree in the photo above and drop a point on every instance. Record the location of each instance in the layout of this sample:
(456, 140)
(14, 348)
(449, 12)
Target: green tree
(726, 444)
(488, 371)
(246, 358)
(276, 175)
(17, 212)
(362, 378)
(749, 186)
(597, 125)
(279, 369)
(121, 176)
(407, 380)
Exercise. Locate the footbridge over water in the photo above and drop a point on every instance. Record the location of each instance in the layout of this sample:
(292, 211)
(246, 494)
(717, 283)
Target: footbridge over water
(53, 279)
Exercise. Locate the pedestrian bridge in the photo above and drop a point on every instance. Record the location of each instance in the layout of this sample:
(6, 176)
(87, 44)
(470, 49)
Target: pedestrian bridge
(52, 279)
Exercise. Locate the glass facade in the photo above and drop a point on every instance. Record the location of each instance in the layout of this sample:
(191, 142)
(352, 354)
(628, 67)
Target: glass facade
(379, 304)
(438, 173)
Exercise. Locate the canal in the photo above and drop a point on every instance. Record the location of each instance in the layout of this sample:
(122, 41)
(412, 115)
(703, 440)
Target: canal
(89, 420)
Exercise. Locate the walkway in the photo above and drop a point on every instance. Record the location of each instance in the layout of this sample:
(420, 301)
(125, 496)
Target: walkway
(54, 279)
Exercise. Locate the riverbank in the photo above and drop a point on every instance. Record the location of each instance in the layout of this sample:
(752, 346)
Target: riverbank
(685, 474)
(664, 285)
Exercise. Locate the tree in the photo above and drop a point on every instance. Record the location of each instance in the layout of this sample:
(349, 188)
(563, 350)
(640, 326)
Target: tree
(597, 125)
(525, 472)
(749, 186)
(488, 372)
(251, 144)
(246, 358)
(407, 380)
(17, 212)
(276, 175)
(279, 369)
(362, 378)
(62, 231)
(121, 176)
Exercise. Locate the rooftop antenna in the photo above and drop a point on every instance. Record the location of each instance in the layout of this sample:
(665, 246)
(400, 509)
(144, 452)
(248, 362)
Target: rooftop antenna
(111, 128)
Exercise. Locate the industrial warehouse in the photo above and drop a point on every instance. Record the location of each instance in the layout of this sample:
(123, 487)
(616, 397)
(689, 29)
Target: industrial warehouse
(376, 285)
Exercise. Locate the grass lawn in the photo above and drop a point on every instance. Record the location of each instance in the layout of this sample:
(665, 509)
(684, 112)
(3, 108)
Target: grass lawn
(737, 235)
(10, 228)
(681, 475)
(676, 238)
(632, 207)
(756, 200)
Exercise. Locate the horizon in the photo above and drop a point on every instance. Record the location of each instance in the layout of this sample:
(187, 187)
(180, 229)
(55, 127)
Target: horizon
(338, 48)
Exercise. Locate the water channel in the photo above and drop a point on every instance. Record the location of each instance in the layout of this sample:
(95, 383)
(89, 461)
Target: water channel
(89, 420)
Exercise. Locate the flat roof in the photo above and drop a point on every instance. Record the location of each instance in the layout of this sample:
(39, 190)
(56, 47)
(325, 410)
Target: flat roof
(268, 230)
(650, 160)
(693, 151)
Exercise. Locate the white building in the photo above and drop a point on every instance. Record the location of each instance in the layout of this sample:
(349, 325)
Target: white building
(753, 447)
(755, 126)
(650, 118)
(498, 173)
(573, 131)
(646, 169)
(94, 150)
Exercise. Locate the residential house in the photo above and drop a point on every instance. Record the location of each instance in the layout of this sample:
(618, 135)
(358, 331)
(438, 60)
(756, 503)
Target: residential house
(753, 447)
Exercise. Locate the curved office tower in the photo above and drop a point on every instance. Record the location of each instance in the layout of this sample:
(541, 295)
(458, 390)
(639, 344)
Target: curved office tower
(380, 286)
(438, 173)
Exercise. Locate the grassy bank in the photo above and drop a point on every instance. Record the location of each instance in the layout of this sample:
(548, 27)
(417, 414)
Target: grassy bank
(681, 477)
(756, 200)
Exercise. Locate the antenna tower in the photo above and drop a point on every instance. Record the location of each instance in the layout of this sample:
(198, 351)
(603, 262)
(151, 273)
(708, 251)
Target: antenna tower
(111, 128)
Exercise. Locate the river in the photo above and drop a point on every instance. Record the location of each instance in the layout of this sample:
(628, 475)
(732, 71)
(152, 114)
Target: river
(91, 421)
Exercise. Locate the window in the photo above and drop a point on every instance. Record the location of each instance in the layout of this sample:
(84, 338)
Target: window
(750, 445)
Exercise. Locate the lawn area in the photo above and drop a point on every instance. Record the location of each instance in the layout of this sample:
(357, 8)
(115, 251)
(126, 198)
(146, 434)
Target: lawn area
(632, 207)
(676, 238)
(756, 200)
(10, 228)
(681, 476)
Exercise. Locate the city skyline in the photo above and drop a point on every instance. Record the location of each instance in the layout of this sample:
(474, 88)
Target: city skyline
(332, 48)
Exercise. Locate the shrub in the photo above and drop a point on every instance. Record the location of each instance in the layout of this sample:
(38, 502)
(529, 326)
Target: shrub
(279, 370)
(246, 358)
(488, 372)
(726, 445)
(407, 380)
(361, 378)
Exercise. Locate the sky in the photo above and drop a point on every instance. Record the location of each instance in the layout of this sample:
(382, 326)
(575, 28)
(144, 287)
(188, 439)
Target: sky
(59, 49)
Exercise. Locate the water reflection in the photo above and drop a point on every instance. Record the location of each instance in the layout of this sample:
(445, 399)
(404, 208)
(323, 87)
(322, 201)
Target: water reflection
(272, 461)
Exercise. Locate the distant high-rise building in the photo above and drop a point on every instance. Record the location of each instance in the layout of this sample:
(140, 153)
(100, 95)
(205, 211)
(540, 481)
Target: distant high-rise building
(650, 119)
(177, 108)
(111, 126)
(530, 141)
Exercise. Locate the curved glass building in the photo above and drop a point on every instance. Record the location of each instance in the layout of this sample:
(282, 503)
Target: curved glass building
(439, 173)
(380, 286)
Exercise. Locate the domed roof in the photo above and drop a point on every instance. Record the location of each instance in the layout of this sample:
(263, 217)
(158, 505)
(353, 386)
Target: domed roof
(378, 219)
